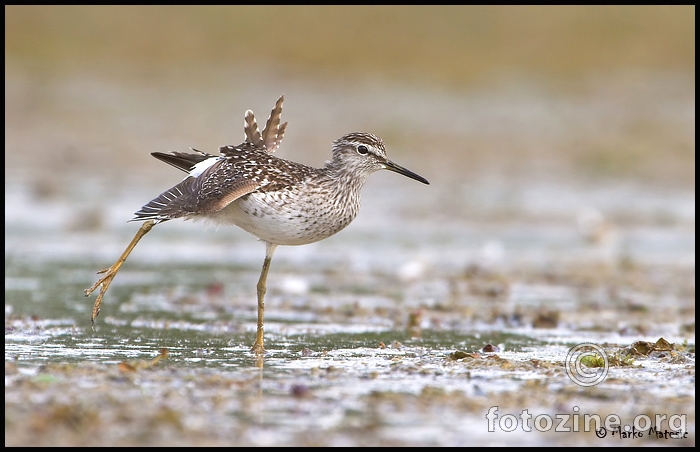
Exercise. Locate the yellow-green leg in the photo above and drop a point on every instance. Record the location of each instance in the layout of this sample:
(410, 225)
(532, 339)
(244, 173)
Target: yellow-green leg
(259, 345)
(111, 272)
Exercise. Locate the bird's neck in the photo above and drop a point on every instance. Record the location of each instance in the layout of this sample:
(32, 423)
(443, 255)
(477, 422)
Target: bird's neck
(346, 177)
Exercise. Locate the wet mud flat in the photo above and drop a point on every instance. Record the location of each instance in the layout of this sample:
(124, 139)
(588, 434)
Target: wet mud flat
(171, 365)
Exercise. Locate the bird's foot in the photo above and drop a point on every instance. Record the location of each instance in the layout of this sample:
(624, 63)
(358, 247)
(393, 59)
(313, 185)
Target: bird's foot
(258, 348)
(103, 283)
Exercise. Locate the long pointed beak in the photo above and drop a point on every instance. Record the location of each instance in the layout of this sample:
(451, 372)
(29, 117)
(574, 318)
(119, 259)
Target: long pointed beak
(391, 166)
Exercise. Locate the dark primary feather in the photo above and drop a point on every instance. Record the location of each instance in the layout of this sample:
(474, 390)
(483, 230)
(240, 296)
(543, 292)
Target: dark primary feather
(182, 160)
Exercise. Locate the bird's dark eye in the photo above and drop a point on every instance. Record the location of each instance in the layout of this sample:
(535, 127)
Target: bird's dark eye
(362, 149)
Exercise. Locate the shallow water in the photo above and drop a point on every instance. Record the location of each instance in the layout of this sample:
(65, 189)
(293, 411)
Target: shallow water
(363, 329)
(358, 342)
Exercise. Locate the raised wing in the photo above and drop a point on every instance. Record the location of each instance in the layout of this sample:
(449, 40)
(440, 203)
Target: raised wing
(216, 181)
(207, 189)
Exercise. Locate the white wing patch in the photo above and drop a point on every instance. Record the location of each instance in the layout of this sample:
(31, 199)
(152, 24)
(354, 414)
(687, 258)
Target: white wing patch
(202, 166)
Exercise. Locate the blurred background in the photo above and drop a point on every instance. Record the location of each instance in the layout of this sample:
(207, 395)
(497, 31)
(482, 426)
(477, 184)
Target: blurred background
(575, 116)
(589, 92)
(560, 147)
(504, 109)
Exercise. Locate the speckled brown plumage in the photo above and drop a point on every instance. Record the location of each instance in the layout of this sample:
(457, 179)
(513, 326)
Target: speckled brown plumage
(280, 201)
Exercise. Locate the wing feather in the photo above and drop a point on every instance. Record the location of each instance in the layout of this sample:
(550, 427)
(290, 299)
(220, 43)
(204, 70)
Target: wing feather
(273, 132)
(218, 186)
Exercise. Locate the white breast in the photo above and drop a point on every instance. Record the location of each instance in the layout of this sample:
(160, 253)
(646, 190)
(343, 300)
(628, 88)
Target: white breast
(276, 218)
